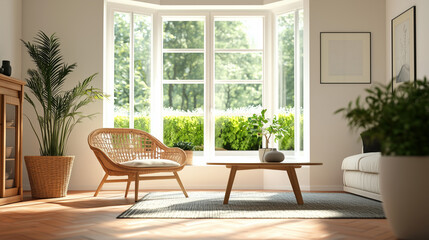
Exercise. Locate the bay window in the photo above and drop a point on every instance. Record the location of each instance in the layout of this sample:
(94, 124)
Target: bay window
(197, 78)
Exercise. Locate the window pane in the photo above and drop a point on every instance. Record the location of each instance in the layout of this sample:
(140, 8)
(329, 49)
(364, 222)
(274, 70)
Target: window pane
(287, 120)
(243, 33)
(184, 128)
(229, 134)
(238, 66)
(183, 114)
(286, 55)
(183, 66)
(237, 96)
(142, 71)
(234, 104)
(286, 58)
(289, 67)
(183, 34)
(184, 98)
(122, 22)
(183, 103)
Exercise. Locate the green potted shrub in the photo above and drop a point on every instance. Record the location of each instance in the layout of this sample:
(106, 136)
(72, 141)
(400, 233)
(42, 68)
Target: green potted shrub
(400, 119)
(57, 113)
(188, 147)
(260, 125)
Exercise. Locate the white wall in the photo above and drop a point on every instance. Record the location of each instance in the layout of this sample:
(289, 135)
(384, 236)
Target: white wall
(393, 9)
(330, 138)
(10, 34)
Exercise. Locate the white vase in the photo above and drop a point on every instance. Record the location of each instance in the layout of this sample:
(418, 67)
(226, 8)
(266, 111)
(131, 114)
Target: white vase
(404, 186)
(262, 152)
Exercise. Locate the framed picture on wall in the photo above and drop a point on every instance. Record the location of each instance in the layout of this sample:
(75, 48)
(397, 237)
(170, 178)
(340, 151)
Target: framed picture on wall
(404, 47)
(345, 57)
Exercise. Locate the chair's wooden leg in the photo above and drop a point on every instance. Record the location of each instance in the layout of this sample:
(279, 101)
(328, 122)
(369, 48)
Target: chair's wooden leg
(101, 185)
(180, 184)
(136, 187)
(128, 186)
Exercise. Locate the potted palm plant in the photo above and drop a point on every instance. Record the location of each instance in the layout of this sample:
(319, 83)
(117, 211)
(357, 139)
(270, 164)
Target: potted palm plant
(400, 119)
(260, 125)
(57, 113)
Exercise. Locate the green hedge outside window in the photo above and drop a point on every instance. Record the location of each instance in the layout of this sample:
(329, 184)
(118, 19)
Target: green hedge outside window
(230, 132)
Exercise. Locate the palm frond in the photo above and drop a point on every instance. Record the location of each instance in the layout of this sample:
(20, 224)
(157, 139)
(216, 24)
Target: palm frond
(59, 109)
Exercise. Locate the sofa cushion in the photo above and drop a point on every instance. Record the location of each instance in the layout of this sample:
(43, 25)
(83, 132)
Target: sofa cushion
(146, 163)
(353, 162)
(370, 163)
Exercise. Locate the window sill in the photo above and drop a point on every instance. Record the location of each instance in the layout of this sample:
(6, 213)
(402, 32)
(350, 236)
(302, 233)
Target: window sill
(199, 161)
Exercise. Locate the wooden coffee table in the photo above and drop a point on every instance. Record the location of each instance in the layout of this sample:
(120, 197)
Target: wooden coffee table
(289, 167)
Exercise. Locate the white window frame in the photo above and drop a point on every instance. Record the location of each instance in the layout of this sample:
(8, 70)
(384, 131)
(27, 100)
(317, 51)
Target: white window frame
(165, 16)
(295, 8)
(209, 82)
(108, 106)
(269, 78)
(266, 84)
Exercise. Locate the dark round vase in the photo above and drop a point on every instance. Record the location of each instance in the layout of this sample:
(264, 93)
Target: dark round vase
(274, 156)
(6, 69)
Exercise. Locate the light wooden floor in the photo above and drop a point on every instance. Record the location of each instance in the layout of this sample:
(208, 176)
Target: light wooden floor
(81, 216)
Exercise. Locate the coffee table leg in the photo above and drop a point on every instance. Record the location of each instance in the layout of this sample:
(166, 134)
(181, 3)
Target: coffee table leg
(229, 186)
(295, 185)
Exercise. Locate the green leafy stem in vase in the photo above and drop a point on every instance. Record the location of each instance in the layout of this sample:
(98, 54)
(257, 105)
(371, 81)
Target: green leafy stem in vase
(260, 125)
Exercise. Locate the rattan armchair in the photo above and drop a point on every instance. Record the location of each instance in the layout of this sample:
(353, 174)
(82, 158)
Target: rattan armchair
(113, 146)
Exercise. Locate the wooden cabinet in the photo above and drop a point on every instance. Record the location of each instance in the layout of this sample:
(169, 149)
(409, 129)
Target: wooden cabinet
(11, 97)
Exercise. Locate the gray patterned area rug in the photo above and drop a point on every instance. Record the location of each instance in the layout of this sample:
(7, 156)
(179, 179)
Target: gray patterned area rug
(263, 205)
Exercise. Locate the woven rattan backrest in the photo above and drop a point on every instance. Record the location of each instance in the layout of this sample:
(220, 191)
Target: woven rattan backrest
(122, 145)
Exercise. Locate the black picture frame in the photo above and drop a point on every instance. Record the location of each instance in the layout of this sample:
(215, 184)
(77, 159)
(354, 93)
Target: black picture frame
(345, 58)
(403, 47)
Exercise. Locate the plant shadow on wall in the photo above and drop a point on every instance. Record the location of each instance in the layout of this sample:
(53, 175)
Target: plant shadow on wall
(57, 113)
(400, 119)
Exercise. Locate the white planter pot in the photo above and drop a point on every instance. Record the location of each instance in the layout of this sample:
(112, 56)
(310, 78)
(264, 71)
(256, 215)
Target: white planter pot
(262, 152)
(404, 186)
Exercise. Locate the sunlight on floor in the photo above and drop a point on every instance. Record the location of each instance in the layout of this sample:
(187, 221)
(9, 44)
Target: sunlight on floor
(82, 216)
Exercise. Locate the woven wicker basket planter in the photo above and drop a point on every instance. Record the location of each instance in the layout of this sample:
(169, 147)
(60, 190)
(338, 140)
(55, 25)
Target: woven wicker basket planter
(49, 175)
(189, 157)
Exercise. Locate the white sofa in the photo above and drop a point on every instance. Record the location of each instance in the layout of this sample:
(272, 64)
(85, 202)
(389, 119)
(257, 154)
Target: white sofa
(360, 175)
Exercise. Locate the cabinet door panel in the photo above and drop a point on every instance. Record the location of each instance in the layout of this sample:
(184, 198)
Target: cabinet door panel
(10, 139)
